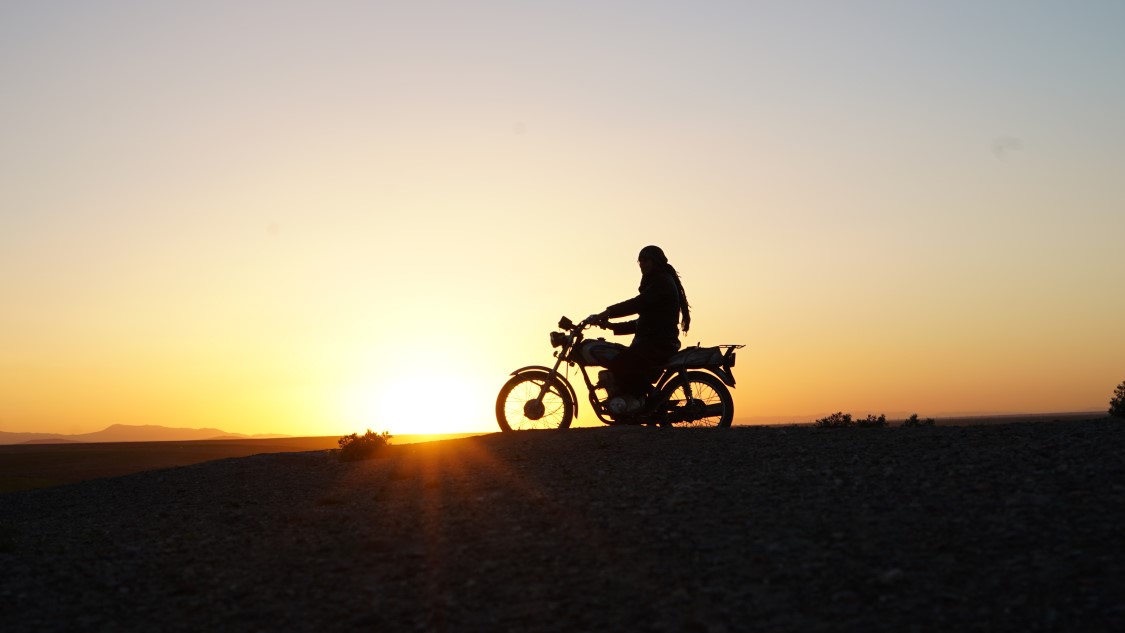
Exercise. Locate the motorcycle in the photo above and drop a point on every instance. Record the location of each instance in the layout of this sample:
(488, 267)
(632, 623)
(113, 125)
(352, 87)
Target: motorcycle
(540, 397)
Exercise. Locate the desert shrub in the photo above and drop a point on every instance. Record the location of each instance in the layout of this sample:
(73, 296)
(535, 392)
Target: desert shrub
(837, 420)
(873, 422)
(1117, 403)
(356, 447)
(913, 421)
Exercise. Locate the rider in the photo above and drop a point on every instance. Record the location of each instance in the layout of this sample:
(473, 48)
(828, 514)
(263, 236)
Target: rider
(658, 307)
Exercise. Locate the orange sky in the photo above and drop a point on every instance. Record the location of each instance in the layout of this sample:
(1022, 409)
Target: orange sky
(320, 217)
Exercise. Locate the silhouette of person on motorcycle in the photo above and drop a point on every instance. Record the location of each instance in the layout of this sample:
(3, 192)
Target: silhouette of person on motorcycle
(659, 308)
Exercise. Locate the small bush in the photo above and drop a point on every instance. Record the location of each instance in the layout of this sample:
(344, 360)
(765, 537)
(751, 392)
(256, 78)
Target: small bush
(1117, 404)
(355, 447)
(872, 422)
(913, 421)
(837, 420)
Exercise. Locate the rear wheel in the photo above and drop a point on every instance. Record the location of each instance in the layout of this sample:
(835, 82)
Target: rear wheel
(519, 408)
(709, 404)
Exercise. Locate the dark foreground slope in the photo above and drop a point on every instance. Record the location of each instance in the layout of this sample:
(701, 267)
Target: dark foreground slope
(1010, 527)
(40, 465)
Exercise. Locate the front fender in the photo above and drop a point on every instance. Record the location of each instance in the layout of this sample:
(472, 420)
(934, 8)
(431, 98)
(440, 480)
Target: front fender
(530, 369)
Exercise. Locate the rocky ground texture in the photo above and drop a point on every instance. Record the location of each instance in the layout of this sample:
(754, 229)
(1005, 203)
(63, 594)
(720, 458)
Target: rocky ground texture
(1013, 527)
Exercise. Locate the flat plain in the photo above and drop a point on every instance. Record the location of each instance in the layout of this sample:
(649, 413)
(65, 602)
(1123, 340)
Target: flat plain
(998, 527)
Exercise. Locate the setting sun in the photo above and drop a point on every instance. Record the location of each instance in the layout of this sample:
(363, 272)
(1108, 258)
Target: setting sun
(429, 402)
(428, 394)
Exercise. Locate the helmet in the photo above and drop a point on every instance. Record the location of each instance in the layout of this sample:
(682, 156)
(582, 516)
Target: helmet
(654, 253)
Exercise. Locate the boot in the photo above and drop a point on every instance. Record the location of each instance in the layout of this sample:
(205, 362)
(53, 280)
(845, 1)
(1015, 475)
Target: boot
(620, 405)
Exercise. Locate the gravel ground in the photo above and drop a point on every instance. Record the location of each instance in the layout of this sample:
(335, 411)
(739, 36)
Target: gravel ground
(1011, 527)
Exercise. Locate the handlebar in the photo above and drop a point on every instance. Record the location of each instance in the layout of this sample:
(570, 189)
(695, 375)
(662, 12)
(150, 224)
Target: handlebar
(566, 324)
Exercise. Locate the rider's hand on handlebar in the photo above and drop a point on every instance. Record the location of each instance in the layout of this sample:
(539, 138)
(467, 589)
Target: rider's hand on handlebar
(597, 319)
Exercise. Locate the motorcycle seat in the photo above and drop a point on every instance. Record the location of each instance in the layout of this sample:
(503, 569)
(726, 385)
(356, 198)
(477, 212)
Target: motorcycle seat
(695, 357)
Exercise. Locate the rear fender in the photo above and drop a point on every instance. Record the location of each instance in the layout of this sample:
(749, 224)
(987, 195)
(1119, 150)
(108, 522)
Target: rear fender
(725, 372)
(540, 369)
(722, 372)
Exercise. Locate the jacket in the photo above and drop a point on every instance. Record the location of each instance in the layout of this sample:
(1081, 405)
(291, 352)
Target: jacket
(657, 307)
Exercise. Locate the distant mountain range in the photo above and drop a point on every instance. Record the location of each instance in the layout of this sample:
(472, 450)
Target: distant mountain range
(127, 433)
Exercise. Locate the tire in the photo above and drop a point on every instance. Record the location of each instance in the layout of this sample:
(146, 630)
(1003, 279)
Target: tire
(709, 395)
(511, 412)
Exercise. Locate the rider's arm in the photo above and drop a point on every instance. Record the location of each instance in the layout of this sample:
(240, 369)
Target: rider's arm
(628, 327)
(662, 291)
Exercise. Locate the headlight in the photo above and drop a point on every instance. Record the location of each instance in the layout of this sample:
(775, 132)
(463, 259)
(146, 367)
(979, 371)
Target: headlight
(557, 339)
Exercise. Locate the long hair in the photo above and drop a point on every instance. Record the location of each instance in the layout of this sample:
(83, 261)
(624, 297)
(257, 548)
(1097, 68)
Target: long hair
(656, 254)
(685, 307)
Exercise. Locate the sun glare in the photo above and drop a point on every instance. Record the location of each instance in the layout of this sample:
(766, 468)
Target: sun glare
(422, 401)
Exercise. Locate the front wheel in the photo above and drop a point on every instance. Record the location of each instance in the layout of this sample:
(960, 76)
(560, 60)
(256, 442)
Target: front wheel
(519, 408)
(698, 399)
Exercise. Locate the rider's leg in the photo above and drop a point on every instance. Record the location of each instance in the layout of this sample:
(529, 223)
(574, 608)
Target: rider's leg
(633, 373)
(629, 371)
